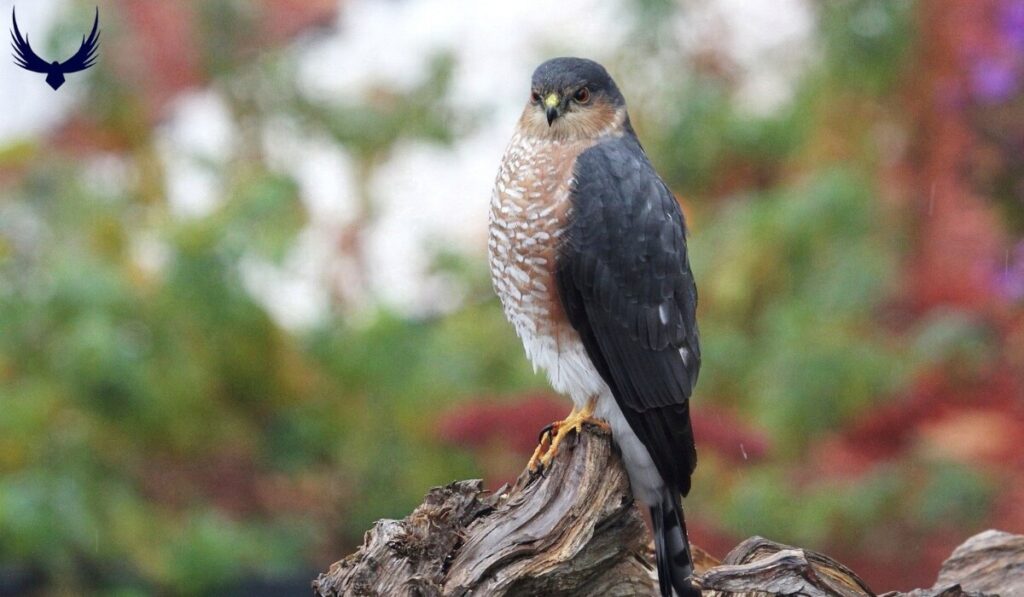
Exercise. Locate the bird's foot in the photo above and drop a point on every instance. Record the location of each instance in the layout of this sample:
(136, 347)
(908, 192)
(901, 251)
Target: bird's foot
(552, 436)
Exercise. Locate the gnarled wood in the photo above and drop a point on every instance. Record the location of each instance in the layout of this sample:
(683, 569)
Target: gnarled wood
(575, 532)
(990, 562)
(758, 565)
(572, 531)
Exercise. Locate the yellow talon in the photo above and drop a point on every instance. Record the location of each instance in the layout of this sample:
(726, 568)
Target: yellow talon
(550, 441)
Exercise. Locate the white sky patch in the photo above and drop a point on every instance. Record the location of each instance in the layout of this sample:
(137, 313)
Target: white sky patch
(150, 252)
(200, 124)
(429, 193)
(294, 293)
(773, 43)
(322, 169)
(107, 175)
(326, 178)
(28, 105)
(193, 188)
(193, 143)
(770, 43)
(496, 45)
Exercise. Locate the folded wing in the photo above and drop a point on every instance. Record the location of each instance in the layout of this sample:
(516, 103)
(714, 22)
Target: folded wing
(625, 282)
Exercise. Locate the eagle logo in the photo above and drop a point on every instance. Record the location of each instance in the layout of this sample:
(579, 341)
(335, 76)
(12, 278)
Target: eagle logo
(26, 58)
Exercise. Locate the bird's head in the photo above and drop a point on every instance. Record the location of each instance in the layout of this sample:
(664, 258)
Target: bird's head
(571, 99)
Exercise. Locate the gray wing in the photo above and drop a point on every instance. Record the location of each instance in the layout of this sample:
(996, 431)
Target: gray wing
(624, 280)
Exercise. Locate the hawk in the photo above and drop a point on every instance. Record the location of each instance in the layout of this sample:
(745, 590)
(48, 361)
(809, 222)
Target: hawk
(587, 252)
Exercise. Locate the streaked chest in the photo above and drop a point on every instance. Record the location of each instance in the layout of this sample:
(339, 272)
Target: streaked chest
(529, 206)
(529, 209)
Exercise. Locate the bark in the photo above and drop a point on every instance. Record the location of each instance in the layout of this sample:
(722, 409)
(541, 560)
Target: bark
(575, 531)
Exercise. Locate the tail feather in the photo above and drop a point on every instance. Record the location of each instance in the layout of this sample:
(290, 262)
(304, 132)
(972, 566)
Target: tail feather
(672, 547)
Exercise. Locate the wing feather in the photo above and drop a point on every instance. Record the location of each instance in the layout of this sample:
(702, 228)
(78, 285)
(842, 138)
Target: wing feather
(625, 282)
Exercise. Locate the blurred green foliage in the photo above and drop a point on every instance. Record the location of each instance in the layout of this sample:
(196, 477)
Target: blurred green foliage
(793, 279)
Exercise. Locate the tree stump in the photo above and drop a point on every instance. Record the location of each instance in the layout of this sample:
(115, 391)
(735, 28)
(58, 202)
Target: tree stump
(575, 531)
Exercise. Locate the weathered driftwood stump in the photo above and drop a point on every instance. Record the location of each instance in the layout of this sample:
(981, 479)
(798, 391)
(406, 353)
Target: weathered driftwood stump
(575, 531)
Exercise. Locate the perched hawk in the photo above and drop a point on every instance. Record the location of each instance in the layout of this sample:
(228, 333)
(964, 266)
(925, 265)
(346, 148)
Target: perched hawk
(588, 255)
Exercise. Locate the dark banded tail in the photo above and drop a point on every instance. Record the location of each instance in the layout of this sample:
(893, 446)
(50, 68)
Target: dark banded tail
(672, 547)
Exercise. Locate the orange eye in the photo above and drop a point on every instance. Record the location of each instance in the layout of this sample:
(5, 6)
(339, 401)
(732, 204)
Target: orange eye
(582, 95)
(535, 97)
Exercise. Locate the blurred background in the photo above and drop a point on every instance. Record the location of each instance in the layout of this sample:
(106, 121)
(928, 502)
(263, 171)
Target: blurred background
(245, 311)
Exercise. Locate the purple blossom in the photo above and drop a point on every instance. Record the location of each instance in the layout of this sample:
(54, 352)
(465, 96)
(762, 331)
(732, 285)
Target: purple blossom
(1009, 280)
(993, 80)
(1011, 23)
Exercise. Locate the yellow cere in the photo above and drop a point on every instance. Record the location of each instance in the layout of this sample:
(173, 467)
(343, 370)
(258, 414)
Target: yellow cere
(551, 100)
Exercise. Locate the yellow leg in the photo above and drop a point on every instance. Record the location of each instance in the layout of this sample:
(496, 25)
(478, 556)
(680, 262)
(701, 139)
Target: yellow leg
(550, 442)
(544, 444)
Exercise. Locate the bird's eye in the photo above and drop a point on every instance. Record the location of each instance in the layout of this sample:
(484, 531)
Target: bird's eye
(535, 97)
(582, 95)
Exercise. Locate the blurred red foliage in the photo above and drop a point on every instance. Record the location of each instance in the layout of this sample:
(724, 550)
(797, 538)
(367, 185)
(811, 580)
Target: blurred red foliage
(515, 423)
(720, 431)
(238, 486)
(950, 413)
(959, 235)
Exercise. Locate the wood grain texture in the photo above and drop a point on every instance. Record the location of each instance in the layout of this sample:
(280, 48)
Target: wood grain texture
(758, 565)
(572, 531)
(576, 532)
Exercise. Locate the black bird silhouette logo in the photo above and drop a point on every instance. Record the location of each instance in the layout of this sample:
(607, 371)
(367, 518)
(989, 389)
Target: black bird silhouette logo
(27, 59)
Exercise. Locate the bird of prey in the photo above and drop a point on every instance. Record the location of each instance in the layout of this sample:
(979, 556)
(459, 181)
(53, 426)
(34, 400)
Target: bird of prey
(587, 252)
(26, 58)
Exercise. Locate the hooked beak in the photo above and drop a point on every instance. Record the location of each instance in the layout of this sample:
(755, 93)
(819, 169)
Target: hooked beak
(551, 103)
